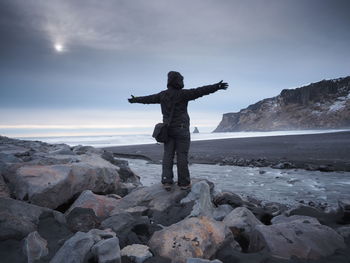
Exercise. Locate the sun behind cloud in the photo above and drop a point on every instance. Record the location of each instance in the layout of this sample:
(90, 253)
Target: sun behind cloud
(59, 47)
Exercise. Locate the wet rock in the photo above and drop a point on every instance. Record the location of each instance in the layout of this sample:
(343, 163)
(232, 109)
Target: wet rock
(136, 253)
(326, 168)
(344, 205)
(241, 222)
(100, 204)
(124, 189)
(193, 237)
(284, 165)
(296, 239)
(228, 198)
(286, 219)
(40, 184)
(35, 247)
(163, 207)
(274, 208)
(78, 247)
(107, 251)
(199, 260)
(322, 217)
(4, 190)
(221, 212)
(82, 219)
(129, 229)
(200, 194)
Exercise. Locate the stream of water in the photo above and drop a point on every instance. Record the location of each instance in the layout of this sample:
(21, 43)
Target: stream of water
(288, 186)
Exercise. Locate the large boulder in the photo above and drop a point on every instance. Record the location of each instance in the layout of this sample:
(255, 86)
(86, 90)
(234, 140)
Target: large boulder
(200, 194)
(78, 248)
(163, 207)
(50, 175)
(54, 185)
(194, 237)
(241, 222)
(300, 238)
(102, 205)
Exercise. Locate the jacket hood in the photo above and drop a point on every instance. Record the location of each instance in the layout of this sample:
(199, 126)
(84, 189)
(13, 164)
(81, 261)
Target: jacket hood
(175, 80)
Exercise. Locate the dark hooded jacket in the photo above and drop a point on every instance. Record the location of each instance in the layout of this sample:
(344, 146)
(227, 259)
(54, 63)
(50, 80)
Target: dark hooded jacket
(175, 94)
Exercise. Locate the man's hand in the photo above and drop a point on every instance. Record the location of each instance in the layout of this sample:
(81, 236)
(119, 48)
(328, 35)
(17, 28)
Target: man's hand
(132, 99)
(222, 85)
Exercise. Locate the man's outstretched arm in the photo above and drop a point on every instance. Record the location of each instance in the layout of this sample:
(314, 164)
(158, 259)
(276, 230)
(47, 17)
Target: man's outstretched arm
(155, 98)
(192, 94)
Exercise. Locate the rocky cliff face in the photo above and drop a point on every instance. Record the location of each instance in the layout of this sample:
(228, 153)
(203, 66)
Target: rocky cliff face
(320, 105)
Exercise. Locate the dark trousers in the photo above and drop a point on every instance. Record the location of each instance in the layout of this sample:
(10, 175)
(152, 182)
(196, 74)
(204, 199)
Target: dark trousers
(179, 143)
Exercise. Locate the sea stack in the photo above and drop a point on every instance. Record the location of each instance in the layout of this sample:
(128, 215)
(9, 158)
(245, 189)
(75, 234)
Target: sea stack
(195, 130)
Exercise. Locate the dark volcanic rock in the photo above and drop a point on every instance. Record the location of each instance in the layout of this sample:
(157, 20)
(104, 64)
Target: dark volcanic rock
(301, 238)
(163, 207)
(129, 229)
(325, 104)
(79, 248)
(102, 205)
(18, 219)
(52, 175)
(241, 222)
(4, 190)
(82, 219)
(228, 198)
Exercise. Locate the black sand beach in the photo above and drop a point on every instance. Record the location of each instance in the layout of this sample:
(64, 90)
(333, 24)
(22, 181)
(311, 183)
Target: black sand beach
(326, 152)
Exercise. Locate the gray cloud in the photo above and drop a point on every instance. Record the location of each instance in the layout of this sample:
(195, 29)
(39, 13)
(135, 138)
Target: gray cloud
(118, 47)
(185, 25)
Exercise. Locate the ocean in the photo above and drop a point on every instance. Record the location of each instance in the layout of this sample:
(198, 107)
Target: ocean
(146, 138)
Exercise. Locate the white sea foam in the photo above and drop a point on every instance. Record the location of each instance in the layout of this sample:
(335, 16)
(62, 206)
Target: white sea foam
(134, 139)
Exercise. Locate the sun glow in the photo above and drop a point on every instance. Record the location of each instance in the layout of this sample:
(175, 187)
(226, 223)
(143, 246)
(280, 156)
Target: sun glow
(59, 47)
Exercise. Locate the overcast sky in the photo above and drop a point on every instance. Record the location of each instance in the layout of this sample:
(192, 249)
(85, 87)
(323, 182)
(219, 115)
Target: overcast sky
(74, 63)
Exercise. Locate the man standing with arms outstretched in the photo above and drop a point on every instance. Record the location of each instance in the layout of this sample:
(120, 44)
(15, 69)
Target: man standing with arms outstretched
(174, 103)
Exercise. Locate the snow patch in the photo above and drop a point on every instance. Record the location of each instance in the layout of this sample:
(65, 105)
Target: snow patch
(339, 103)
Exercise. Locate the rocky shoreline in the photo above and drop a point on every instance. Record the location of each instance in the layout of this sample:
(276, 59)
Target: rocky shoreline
(80, 204)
